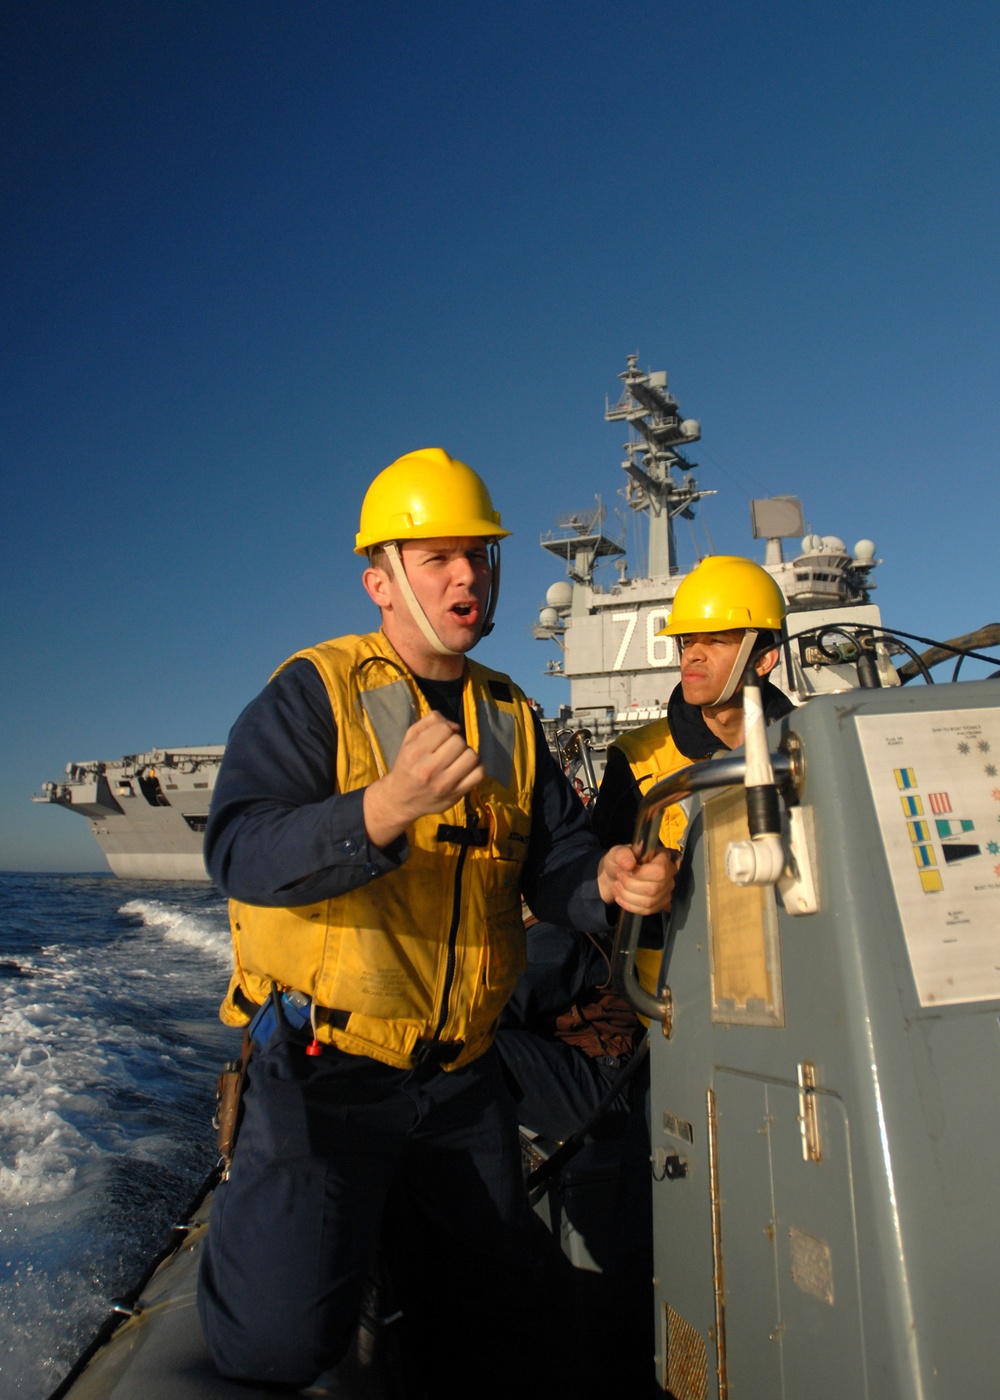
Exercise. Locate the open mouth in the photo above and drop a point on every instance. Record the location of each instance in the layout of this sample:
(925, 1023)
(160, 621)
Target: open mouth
(465, 612)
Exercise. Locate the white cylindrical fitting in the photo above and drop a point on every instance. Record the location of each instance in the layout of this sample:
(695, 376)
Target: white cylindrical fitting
(760, 861)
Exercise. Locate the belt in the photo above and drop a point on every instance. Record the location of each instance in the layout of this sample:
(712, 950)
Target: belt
(425, 1052)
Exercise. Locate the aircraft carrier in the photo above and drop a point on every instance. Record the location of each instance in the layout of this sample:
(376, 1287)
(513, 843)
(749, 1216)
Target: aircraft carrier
(148, 811)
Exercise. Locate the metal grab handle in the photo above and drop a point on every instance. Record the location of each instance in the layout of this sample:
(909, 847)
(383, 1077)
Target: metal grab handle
(697, 777)
(574, 746)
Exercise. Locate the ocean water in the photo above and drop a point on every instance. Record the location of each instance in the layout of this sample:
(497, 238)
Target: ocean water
(110, 1047)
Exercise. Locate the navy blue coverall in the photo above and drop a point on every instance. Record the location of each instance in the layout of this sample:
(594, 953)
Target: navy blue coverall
(331, 1147)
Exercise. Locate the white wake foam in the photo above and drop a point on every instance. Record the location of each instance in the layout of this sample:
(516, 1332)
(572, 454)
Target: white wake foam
(182, 926)
(45, 1065)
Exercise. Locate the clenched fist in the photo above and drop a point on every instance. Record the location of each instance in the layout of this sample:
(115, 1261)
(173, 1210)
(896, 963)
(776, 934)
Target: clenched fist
(433, 769)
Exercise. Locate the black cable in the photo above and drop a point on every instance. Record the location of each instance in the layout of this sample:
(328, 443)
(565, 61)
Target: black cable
(818, 633)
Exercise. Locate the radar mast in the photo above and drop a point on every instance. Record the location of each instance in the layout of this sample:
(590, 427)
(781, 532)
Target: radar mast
(651, 458)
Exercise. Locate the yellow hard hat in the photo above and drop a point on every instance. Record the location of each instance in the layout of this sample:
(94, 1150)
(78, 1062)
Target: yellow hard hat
(423, 495)
(725, 592)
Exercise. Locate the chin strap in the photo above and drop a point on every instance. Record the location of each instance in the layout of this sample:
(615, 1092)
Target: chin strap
(739, 666)
(394, 556)
(416, 611)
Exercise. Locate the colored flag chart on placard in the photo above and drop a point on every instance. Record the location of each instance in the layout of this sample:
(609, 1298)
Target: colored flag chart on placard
(935, 779)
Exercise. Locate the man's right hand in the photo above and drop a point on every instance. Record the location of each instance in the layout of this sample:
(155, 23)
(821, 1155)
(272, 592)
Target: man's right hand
(433, 769)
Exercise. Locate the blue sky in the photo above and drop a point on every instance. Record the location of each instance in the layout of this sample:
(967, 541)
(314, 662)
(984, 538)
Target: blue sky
(253, 251)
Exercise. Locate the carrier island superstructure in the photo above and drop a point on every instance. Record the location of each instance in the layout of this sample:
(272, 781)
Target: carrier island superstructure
(147, 811)
(621, 672)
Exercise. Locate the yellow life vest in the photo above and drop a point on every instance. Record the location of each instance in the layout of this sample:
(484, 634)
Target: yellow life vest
(652, 755)
(429, 951)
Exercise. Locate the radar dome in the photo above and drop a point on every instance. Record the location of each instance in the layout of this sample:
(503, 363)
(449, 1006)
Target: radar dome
(812, 544)
(834, 544)
(548, 617)
(560, 595)
(691, 428)
(864, 552)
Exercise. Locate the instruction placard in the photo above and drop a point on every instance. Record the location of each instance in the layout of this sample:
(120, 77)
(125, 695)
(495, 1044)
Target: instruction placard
(935, 779)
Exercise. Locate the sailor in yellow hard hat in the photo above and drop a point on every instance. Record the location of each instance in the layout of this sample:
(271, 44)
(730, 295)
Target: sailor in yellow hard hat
(727, 613)
(380, 808)
(429, 495)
